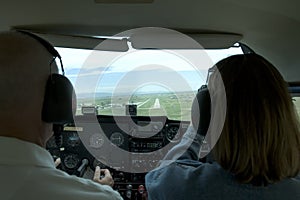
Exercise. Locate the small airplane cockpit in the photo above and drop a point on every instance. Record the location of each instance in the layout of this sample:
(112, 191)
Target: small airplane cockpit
(134, 113)
(129, 110)
(133, 70)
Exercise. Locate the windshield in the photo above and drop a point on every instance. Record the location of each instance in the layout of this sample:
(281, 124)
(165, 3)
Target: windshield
(140, 82)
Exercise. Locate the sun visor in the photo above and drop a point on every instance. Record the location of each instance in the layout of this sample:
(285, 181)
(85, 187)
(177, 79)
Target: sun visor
(119, 45)
(81, 41)
(87, 42)
(140, 38)
(216, 40)
(159, 38)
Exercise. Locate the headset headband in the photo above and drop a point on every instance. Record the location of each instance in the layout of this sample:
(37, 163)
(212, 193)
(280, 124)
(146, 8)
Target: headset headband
(47, 46)
(59, 91)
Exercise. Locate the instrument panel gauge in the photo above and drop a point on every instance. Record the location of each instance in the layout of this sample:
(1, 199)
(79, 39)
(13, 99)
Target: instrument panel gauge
(117, 138)
(74, 141)
(96, 141)
(51, 143)
(173, 134)
(71, 161)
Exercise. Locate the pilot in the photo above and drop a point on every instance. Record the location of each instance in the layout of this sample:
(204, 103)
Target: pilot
(27, 170)
(257, 153)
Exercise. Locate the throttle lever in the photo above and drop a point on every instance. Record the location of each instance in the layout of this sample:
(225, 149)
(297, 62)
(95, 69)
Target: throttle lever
(81, 169)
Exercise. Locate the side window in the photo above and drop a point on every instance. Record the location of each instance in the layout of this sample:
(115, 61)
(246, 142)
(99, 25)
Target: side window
(296, 101)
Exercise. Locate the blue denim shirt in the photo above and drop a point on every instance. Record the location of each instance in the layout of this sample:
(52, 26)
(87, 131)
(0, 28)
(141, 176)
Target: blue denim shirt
(181, 176)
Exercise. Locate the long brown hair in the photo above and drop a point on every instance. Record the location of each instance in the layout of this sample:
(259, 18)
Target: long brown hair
(260, 141)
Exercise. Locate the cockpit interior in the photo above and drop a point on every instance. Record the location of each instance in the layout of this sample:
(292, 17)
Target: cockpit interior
(136, 66)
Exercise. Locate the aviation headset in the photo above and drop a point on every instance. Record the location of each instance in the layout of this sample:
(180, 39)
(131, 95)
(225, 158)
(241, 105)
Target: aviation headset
(59, 92)
(201, 108)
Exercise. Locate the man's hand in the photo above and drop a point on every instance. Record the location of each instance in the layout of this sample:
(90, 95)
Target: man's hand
(106, 180)
(57, 162)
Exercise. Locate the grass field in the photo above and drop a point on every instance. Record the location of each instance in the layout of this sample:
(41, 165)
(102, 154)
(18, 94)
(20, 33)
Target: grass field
(173, 106)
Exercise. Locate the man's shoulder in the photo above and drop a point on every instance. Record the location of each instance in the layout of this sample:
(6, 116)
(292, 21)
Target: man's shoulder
(67, 186)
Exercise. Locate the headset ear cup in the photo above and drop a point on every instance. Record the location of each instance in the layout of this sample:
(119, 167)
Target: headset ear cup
(59, 101)
(201, 111)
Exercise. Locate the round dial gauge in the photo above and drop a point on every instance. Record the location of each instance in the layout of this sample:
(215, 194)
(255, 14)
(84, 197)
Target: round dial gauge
(96, 141)
(51, 143)
(117, 138)
(172, 135)
(73, 141)
(71, 161)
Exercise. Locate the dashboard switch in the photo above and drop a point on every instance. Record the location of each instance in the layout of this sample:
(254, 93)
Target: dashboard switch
(129, 187)
(141, 189)
(128, 194)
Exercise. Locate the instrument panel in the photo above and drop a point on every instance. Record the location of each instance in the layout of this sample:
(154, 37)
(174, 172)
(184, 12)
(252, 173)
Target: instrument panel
(129, 146)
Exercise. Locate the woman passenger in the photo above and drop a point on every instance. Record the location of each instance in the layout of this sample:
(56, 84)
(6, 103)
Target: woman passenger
(257, 153)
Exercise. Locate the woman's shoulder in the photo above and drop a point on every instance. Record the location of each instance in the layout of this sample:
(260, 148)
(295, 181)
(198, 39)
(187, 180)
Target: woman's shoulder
(189, 170)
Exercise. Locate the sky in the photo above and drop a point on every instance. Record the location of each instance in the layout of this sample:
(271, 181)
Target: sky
(93, 71)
